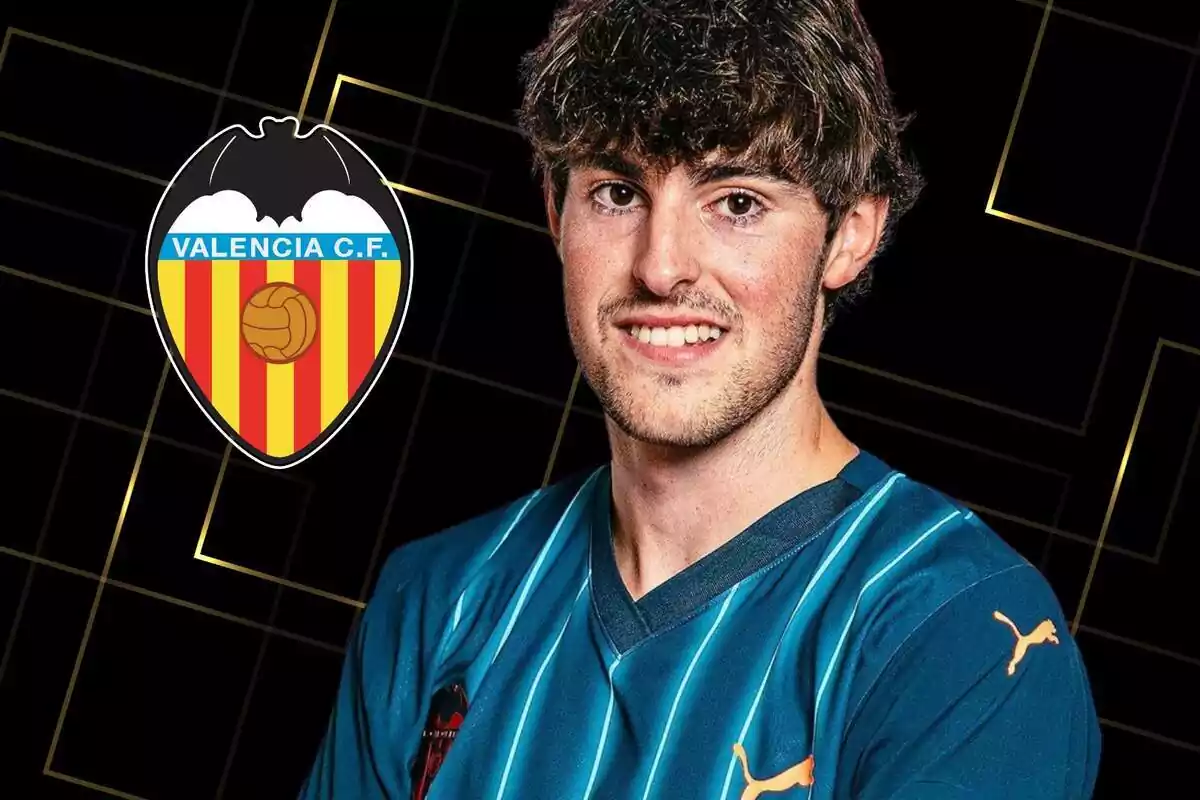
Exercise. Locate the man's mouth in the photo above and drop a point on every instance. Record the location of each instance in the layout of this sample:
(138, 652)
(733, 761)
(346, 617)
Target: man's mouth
(674, 335)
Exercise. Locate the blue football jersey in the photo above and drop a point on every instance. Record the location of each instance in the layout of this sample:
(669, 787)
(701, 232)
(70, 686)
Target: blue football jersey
(869, 639)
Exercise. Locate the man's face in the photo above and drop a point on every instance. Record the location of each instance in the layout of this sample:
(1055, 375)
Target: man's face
(691, 295)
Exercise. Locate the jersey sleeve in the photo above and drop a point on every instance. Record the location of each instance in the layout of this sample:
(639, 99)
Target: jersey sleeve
(987, 698)
(366, 746)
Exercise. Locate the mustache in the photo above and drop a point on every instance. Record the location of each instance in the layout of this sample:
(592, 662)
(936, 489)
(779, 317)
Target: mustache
(645, 301)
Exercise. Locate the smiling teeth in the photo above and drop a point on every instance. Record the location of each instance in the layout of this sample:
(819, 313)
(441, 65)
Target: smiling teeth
(676, 336)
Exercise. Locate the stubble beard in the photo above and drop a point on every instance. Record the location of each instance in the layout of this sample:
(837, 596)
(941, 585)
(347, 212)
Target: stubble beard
(745, 391)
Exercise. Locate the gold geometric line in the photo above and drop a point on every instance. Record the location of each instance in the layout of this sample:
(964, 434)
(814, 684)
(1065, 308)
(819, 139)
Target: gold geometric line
(1055, 522)
(49, 773)
(233, 57)
(429, 104)
(374, 87)
(1112, 26)
(1171, 344)
(1140, 241)
(67, 212)
(1110, 339)
(58, 151)
(431, 87)
(171, 600)
(1175, 492)
(46, 562)
(468, 207)
(562, 426)
(282, 582)
(1112, 248)
(333, 98)
(200, 556)
(950, 440)
(1161, 651)
(61, 471)
(154, 73)
(950, 394)
(66, 287)
(1112, 501)
(243, 99)
(316, 62)
(1157, 737)
(494, 384)
(256, 671)
(108, 559)
(213, 612)
(212, 500)
(4, 45)
(1054, 531)
(410, 435)
(129, 429)
(1012, 128)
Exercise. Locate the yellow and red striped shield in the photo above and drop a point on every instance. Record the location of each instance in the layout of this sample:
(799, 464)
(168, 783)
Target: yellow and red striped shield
(279, 330)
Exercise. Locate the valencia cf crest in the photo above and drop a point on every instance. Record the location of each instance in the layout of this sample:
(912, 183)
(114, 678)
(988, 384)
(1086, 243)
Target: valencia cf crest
(446, 714)
(279, 268)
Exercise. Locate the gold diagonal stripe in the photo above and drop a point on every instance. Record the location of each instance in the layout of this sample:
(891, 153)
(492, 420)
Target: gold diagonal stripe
(952, 395)
(1112, 26)
(562, 427)
(1053, 531)
(1112, 248)
(172, 600)
(520, 223)
(108, 559)
(1112, 500)
(412, 98)
(1157, 737)
(94, 162)
(96, 787)
(271, 108)
(1016, 118)
(67, 212)
(316, 62)
(950, 440)
(66, 287)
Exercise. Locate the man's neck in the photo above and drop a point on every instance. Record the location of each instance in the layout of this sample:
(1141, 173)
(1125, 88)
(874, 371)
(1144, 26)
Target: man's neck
(673, 507)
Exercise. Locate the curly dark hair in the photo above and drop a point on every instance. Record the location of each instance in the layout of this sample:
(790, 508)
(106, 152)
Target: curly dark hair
(795, 87)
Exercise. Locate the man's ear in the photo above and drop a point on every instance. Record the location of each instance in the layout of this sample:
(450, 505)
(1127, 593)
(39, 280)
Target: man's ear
(856, 241)
(553, 218)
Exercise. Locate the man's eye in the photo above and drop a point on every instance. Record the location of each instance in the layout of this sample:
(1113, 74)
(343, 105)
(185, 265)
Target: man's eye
(739, 205)
(616, 195)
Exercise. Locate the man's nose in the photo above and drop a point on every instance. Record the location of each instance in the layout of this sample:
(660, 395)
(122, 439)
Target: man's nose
(667, 258)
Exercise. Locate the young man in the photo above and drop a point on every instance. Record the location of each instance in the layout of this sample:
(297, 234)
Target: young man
(743, 603)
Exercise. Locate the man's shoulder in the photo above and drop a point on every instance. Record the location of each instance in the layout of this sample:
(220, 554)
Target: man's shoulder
(919, 529)
(506, 537)
(932, 555)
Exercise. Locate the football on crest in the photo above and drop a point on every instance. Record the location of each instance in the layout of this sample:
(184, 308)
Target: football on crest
(279, 323)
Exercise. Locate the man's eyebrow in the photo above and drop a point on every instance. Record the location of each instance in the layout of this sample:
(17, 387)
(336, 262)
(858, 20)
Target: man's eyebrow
(698, 175)
(710, 173)
(613, 162)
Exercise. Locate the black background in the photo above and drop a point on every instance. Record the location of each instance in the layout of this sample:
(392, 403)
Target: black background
(1011, 350)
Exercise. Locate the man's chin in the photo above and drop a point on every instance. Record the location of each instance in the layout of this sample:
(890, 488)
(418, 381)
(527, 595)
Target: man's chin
(674, 428)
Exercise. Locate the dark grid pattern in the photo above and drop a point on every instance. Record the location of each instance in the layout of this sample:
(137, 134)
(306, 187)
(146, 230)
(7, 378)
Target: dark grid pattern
(132, 575)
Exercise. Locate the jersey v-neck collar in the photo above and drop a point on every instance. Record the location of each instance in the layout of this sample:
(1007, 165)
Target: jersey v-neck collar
(795, 522)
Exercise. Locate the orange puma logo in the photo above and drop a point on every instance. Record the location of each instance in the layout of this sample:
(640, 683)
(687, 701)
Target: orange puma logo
(799, 775)
(1043, 633)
